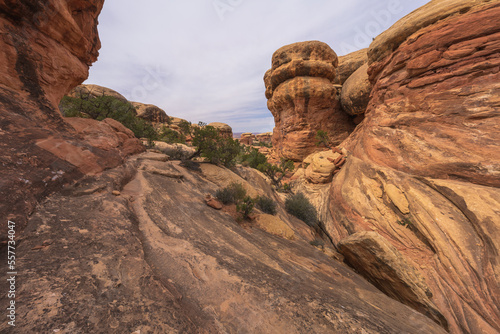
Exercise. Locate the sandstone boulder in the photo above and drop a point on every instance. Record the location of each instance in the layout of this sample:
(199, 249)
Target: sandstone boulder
(349, 63)
(225, 130)
(247, 138)
(355, 93)
(150, 112)
(321, 166)
(175, 151)
(303, 99)
(88, 90)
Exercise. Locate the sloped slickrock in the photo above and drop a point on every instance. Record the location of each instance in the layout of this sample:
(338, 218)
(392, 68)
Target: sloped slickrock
(303, 99)
(150, 112)
(379, 261)
(355, 93)
(349, 63)
(424, 165)
(46, 48)
(225, 130)
(157, 259)
(91, 91)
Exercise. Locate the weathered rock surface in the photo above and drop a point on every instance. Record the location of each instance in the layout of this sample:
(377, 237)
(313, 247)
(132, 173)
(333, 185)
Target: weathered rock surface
(225, 130)
(157, 259)
(303, 99)
(88, 90)
(150, 112)
(265, 137)
(427, 156)
(349, 63)
(355, 93)
(45, 50)
(321, 166)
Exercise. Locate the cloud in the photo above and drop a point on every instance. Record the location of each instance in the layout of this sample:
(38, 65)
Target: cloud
(204, 60)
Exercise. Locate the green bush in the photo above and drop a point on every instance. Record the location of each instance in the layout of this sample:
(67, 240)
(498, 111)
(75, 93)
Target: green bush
(276, 172)
(245, 207)
(214, 147)
(266, 204)
(171, 136)
(253, 158)
(102, 107)
(299, 206)
(322, 138)
(186, 128)
(231, 194)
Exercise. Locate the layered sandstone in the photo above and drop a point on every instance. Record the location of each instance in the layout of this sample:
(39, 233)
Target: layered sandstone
(45, 50)
(303, 99)
(224, 129)
(423, 169)
(265, 137)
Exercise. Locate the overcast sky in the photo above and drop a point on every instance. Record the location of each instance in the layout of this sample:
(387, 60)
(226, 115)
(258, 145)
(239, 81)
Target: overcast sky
(204, 60)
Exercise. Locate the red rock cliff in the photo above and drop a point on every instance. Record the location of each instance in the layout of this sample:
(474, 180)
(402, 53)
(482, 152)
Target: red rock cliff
(423, 168)
(46, 49)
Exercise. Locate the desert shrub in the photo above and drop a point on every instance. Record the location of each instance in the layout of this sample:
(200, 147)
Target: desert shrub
(276, 172)
(231, 194)
(253, 158)
(191, 165)
(245, 206)
(266, 204)
(214, 147)
(322, 138)
(102, 107)
(171, 136)
(186, 128)
(299, 206)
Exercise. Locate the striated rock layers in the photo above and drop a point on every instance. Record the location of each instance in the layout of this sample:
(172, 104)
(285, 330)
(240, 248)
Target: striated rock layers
(303, 99)
(45, 50)
(423, 168)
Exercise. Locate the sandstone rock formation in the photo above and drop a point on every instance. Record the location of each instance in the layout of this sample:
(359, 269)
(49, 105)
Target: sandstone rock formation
(303, 99)
(349, 63)
(355, 93)
(94, 91)
(225, 130)
(424, 166)
(151, 113)
(158, 259)
(265, 137)
(321, 166)
(45, 50)
(247, 138)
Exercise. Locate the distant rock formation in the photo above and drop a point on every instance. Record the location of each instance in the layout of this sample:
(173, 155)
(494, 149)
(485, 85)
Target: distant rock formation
(225, 130)
(303, 99)
(88, 90)
(46, 49)
(151, 113)
(247, 138)
(265, 137)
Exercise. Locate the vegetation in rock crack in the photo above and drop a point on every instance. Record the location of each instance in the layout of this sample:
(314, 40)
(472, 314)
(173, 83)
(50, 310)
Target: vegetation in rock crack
(299, 206)
(102, 107)
(276, 172)
(245, 206)
(217, 149)
(322, 138)
(266, 204)
(231, 194)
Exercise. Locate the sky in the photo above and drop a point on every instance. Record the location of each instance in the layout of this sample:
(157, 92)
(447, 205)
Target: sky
(204, 60)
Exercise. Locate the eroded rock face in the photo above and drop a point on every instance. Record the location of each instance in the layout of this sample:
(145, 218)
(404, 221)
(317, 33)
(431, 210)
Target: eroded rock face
(45, 50)
(247, 138)
(153, 257)
(349, 63)
(423, 168)
(84, 91)
(265, 137)
(303, 99)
